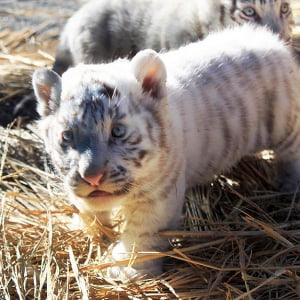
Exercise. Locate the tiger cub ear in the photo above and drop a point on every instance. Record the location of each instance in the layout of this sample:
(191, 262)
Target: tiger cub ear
(47, 89)
(150, 71)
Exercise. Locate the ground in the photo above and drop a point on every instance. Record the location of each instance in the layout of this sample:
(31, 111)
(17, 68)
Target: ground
(18, 14)
(40, 16)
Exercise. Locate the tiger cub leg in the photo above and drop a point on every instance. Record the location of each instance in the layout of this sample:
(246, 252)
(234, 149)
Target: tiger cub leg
(144, 221)
(288, 179)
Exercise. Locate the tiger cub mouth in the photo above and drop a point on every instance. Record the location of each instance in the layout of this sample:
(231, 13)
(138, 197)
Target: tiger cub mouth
(99, 193)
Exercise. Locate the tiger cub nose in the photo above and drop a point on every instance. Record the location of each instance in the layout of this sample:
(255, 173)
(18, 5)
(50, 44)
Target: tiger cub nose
(94, 179)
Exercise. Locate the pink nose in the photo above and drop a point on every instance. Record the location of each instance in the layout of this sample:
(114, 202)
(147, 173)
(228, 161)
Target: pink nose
(94, 179)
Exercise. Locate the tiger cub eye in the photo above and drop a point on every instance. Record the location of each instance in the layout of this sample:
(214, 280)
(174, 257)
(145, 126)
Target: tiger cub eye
(67, 136)
(118, 131)
(249, 11)
(284, 8)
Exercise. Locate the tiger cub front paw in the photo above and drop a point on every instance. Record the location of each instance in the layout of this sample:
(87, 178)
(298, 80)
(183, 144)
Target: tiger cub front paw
(130, 266)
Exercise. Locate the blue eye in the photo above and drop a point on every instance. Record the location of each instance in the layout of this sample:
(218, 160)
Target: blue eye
(249, 11)
(284, 8)
(67, 136)
(118, 131)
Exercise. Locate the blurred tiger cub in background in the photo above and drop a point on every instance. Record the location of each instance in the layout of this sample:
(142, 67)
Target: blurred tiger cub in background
(103, 30)
(136, 134)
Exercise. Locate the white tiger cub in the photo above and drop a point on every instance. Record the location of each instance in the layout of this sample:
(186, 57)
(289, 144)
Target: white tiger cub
(136, 134)
(104, 30)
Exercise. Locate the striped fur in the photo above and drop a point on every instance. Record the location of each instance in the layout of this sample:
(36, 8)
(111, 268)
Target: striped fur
(103, 30)
(138, 133)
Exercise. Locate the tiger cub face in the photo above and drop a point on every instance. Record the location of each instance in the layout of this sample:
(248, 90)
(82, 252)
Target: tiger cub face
(275, 14)
(102, 132)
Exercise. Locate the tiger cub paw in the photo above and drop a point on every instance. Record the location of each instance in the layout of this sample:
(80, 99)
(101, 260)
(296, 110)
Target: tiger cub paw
(288, 184)
(131, 269)
(289, 177)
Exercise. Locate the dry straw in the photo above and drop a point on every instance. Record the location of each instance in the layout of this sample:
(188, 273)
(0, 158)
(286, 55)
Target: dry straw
(239, 238)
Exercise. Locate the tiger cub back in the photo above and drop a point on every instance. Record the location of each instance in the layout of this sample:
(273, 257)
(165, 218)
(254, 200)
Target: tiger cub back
(136, 134)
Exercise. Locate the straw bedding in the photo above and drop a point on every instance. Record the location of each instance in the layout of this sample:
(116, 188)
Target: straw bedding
(238, 239)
